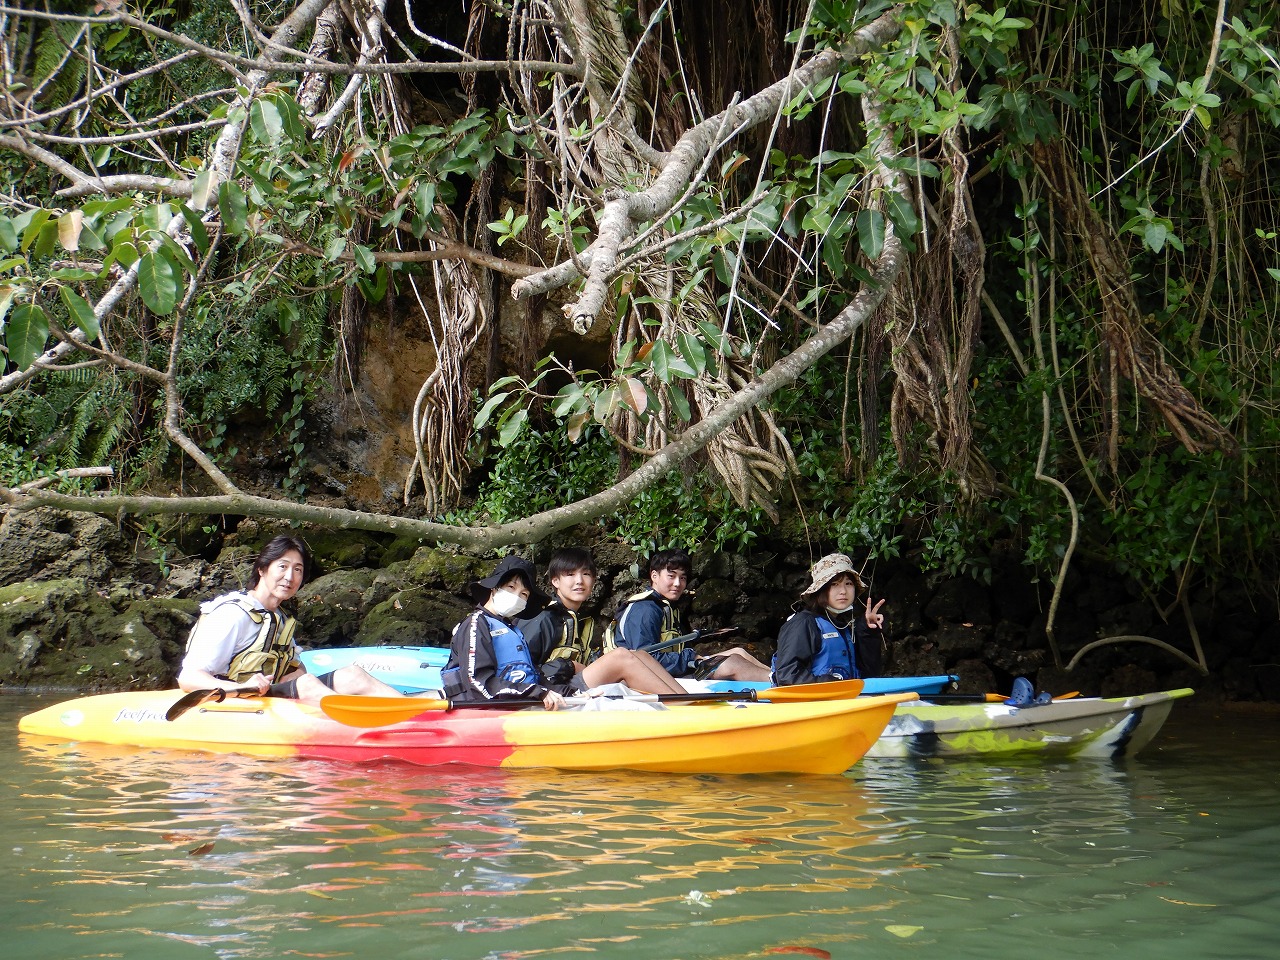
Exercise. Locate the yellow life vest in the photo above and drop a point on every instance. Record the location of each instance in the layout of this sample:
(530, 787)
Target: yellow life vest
(578, 640)
(671, 621)
(271, 653)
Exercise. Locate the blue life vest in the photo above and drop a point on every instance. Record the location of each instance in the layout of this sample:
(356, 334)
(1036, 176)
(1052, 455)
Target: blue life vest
(835, 656)
(515, 665)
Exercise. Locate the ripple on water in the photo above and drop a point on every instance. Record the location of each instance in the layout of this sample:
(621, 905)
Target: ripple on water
(118, 852)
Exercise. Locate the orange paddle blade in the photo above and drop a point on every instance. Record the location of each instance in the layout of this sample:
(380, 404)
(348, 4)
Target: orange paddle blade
(808, 692)
(377, 711)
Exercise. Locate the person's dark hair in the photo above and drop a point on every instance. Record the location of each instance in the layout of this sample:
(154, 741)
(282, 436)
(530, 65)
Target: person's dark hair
(817, 602)
(675, 559)
(276, 549)
(571, 560)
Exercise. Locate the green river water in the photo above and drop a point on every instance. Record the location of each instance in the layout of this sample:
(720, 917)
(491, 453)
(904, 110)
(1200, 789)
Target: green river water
(114, 852)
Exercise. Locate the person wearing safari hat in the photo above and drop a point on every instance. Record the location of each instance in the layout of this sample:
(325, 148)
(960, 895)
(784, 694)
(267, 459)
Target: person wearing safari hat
(489, 658)
(829, 638)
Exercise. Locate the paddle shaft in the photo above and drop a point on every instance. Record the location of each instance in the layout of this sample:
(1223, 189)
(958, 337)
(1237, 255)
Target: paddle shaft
(379, 711)
(692, 638)
(983, 697)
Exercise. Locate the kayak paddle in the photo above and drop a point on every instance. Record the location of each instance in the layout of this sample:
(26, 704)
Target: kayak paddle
(379, 711)
(983, 697)
(698, 636)
(197, 697)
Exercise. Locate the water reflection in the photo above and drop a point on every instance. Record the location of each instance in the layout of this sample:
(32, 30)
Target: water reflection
(124, 852)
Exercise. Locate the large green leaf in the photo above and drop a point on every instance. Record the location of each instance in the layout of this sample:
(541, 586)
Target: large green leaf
(233, 206)
(871, 232)
(81, 313)
(264, 119)
(26, 333)
(159, 282)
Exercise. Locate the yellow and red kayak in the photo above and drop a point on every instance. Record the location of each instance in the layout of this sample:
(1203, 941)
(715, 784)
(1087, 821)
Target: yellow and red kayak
(823, 737)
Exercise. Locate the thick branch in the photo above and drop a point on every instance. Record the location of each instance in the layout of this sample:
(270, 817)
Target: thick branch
(620, 214)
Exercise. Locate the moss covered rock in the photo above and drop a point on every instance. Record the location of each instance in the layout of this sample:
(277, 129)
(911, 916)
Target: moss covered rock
(331, 608)
(430, 567)
(415, 616)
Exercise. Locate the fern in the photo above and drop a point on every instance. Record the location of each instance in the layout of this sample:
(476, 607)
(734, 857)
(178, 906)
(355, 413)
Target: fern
(61, 71)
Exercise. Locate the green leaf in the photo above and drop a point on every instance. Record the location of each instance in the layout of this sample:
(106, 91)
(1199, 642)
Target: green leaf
(334, 248)
(234, 207)
(870, 225)
(46, 241)
(26, 333)
(8, 236)
(199, 234)
(364, 258)
(694, 352)
(202, 190)
(486, 411)
(264, 119)
(7, 293)
(34, 225)
(680, 403)
(511, 429)
(158, 282)
(660, 360)
(81, 313)
(903, 215)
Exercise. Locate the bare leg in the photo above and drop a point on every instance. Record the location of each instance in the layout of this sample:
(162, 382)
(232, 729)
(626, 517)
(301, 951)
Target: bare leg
(738, 667)
(738, 651)
(637, 670)
(355, 681)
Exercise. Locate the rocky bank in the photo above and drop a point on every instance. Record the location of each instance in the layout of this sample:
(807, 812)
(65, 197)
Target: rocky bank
(86, 604)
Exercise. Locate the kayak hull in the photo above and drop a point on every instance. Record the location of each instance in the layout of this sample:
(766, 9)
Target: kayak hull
(1110, 728)
(821, 738)
(417, 669)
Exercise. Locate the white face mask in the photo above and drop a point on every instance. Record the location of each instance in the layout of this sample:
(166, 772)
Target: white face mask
(507, 604)
(842, 610)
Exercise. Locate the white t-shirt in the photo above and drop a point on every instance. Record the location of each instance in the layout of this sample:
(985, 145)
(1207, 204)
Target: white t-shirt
(224, 629)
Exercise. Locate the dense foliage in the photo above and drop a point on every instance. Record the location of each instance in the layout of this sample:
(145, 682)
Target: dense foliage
(1081, 354)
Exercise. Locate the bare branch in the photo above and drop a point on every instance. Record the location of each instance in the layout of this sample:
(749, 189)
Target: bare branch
(622, 211)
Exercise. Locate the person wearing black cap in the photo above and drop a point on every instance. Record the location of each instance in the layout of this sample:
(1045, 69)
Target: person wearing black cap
(489, 658)
(827, 639)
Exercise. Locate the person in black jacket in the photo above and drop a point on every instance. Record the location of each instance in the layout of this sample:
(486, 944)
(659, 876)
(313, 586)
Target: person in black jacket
(489, 658)
(656, 616)
(829, 639)
(565, 640)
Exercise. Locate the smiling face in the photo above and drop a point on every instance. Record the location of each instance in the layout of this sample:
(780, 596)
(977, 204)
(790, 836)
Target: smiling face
(279, 580)
(669, 583)
(573, 588)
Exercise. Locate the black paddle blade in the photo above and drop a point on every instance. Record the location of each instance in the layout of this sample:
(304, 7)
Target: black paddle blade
(193, 699)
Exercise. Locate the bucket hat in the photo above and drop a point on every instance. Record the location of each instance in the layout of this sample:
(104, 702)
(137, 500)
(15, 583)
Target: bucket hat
(481, 589)
(826, 570)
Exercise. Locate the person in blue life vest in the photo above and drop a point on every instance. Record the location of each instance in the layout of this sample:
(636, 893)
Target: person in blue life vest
(489, 658)
(654, 616)
(243, 642)
(567, 644)
(829, 638)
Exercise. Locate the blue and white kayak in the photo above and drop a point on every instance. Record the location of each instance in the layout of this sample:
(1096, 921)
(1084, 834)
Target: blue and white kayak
(415, 669)
(873, 686)
(408, 669)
